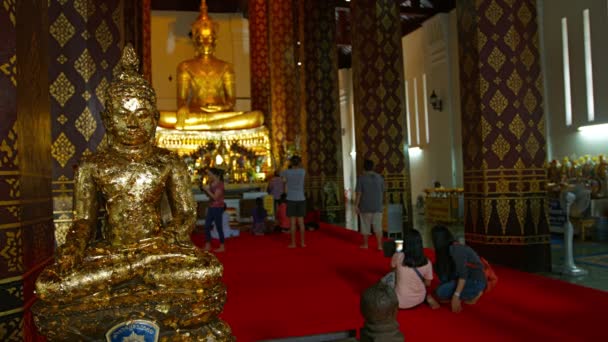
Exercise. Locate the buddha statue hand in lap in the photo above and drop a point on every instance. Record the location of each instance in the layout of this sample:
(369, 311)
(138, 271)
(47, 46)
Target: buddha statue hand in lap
(206, 90)
(139, 268)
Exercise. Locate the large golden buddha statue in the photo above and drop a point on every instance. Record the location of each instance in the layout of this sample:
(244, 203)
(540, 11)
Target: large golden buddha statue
(137, 266)
(206, 90)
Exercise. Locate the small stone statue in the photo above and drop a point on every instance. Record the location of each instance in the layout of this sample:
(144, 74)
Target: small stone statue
(379, 307)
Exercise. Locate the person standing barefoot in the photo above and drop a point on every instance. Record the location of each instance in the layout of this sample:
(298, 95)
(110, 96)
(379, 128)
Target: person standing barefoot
(369, 202)
(296, 201)
(215, 211)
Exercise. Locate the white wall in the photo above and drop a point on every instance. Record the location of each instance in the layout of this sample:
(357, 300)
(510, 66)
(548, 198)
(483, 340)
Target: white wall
(171, 45)
(564, 140)
(432, 50)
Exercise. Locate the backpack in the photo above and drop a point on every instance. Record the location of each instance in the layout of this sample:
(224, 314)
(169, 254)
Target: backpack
(491, 277)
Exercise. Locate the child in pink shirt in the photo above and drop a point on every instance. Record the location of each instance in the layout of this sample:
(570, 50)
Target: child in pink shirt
(282, 220)
(413, 273)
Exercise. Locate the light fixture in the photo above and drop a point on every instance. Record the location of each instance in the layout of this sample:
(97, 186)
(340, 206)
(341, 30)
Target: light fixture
(594, 130)
(414, 151)
(435, 102)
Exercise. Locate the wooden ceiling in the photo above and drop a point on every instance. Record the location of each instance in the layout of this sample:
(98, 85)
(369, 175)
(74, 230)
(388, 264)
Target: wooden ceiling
(413, 14)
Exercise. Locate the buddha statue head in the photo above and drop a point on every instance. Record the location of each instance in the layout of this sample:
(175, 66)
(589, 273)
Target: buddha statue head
(130, 114)
(204, 32)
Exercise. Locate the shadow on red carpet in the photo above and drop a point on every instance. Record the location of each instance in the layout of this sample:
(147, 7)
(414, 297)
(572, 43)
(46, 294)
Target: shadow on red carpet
(276, 292)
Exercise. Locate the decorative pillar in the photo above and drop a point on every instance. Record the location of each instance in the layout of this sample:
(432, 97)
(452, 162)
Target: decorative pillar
(260, 62)
(136, 30)
(325, 181)
(380, 119)
(285, 122)
(84, 49)
(26, 221)
(503, 133)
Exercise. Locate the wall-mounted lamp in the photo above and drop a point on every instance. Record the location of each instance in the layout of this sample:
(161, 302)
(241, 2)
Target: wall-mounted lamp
(435, 102)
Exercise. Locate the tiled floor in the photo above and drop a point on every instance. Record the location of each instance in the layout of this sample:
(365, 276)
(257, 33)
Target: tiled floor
(596, 278)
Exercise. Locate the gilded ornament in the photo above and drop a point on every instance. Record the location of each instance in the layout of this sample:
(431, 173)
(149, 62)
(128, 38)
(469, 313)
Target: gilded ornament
(12, 251)
(517, 127)
(501, 147)
(514, 82)
(104, 36)
(499, 102)
(483, 86)
(86, 124)
(524, 14)
(101, 89)
(62, 59)
(532, 146)
(62, 89)
(62, 149)
(520, 211)
(86, 95)
(62, 30)
(512, 38)
(10, 69)
(502, 186)
(139, 263)
(85, 65)
(527, 58)
(8, 149)
(530, 101)
(494, 12)
(487, 213)
(86, 8)
(535, 207)
(10, 7)
(496, 59)
(503, 207)
(12, 329)
(15, 187)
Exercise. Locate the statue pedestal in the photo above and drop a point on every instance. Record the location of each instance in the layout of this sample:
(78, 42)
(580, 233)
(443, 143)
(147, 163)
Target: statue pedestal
(193, 311)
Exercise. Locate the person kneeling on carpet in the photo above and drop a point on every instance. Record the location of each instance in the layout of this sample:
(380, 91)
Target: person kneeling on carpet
(379, 307)
(282, 221)
(412, 274)
(459, 269)
(258, 216)
(312, 219)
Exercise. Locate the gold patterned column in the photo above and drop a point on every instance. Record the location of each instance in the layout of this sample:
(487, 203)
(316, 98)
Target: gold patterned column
(285, 120)
(504, 146)
(380, 121)
(325, 184)
(84, 48)
(26, 222)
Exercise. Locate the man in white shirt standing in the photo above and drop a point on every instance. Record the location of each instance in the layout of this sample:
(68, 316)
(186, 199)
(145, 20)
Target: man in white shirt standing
(369, 202)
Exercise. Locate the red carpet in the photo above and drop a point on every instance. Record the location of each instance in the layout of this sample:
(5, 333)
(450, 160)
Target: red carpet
(276, 292)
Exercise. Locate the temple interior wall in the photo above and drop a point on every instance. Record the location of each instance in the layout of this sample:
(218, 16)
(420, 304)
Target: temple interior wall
(430, 59)
(171, 45)
(566, 140)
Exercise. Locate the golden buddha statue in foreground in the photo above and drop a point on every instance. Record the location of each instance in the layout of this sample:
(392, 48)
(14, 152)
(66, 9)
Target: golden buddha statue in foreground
(140, 267)
(206, 90)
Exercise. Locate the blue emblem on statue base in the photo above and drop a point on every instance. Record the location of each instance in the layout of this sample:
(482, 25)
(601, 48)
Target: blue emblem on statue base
(138, 330)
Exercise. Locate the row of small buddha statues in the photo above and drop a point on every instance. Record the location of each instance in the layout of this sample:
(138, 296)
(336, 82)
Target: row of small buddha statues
(587, 170)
